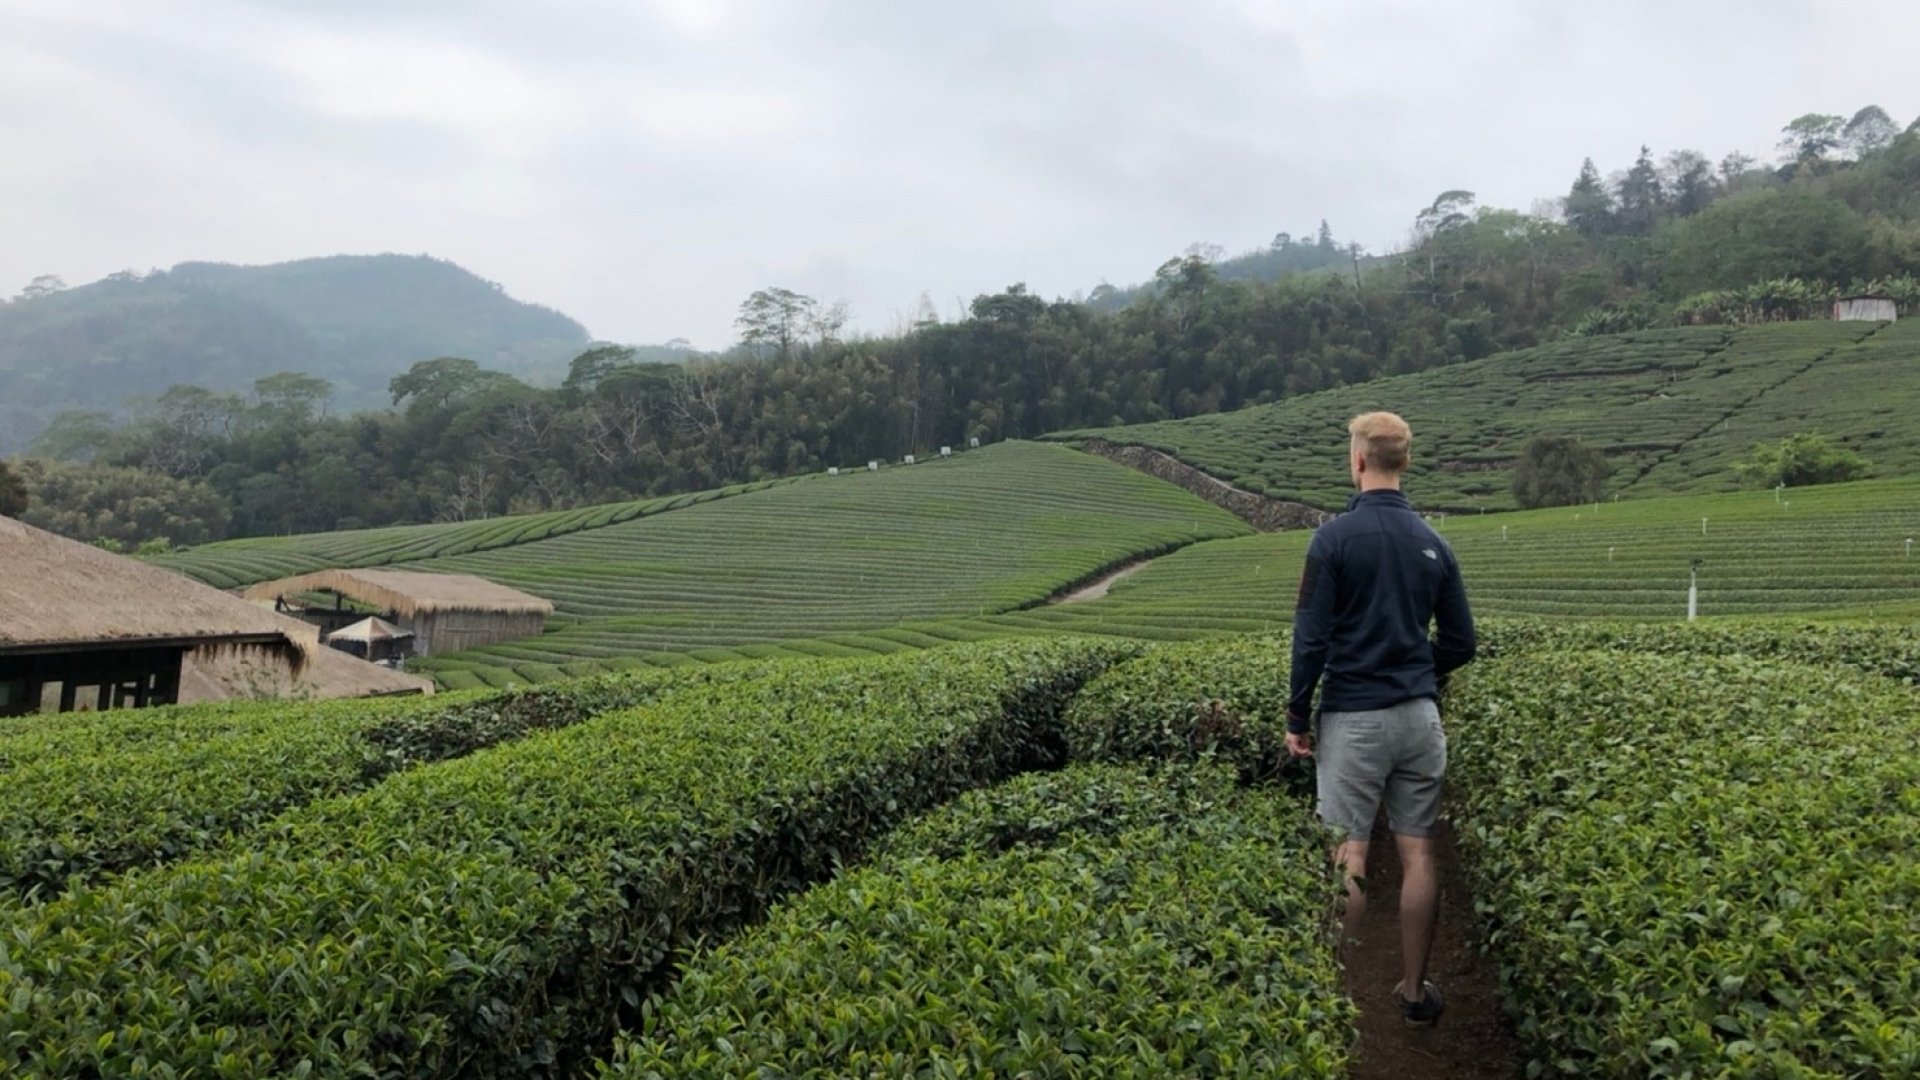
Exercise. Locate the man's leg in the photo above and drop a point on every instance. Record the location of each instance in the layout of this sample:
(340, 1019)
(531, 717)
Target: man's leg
(1419, 911)
(1350, 857)
(1350, 770)
(1413, 807)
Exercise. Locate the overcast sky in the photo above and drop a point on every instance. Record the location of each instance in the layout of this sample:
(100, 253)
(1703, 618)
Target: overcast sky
(643, 166)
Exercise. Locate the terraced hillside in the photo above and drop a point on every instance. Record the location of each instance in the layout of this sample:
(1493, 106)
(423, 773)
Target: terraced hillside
(1823, 549)
(231, 564)
(1672, 409)
(985, 532)
(1838, 550)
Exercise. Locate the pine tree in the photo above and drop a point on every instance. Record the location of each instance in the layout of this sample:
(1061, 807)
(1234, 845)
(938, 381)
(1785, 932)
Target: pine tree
(1589, 206)
(1641, 196)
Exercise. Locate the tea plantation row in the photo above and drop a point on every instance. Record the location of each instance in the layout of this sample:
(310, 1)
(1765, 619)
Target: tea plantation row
(83, 794)
(233, 563)
(1816, 550)
(1672, 409)
(1692, 866)
(1697, 865)
(493, 914)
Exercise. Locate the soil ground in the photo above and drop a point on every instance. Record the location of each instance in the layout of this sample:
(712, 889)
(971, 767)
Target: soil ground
(1099, 588)
(1473, 1040)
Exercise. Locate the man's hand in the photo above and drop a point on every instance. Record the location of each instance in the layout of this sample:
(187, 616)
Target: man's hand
(1299, 745)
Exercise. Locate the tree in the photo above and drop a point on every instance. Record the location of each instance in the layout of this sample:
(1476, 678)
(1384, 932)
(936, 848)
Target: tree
(1689, 182)
(1324, 239)
(1810, 138)
(1559, 470)
(1589, 209)
(126, 506)
(1870, 130)
(1640, 196)
(43, 285)
(1450, 210)
(1801, 459)
(775, 317)
(13, 493)
(1761, 235)
(290, 397)
(1734, 169)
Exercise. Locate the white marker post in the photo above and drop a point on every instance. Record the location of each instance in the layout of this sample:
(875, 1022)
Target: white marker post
(1693, 591)
(1503, 532)
(1609, 554)
(1703, 526)
(1777, 489)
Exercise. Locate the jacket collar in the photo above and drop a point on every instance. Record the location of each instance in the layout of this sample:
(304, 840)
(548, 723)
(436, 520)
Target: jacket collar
(1379, 497)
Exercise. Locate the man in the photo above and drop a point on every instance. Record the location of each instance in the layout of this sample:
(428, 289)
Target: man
(1375, 577)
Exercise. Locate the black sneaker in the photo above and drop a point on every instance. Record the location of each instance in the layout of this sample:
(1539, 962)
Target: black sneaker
(1422, 1013)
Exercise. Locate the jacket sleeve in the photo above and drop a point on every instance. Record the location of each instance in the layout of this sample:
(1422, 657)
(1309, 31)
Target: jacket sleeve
(1312, 623)
(1454, 643)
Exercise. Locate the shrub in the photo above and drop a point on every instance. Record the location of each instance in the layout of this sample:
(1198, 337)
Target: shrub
(86, 797)
(1558, 470)
(489, 916)
(1171, 926)
(1801, 459)
(1223, 697)
(1695, 866)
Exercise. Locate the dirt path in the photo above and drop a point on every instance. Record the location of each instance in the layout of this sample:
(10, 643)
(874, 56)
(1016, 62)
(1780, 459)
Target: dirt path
(1473, 1040)
(1102, 586)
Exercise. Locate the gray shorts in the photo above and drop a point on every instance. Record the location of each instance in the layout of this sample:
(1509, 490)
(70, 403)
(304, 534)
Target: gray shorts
(1399, 754)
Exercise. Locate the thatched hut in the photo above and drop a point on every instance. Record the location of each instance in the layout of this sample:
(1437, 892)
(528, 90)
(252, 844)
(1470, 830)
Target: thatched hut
(82, 628)
(444, 612)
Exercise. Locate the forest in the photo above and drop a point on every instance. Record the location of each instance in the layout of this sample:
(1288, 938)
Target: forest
(1672, 239)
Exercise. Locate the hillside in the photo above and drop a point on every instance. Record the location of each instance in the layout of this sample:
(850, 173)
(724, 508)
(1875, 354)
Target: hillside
(1835, 552)
(1673, 410)
(356, 321)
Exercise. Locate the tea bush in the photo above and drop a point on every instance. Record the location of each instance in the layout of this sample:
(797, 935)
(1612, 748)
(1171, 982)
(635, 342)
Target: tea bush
(1158, 926)
(1695, 866)
(489, 916)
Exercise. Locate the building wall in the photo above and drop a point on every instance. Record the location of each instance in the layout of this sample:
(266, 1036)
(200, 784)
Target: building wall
(450, 631)
(1864, 310)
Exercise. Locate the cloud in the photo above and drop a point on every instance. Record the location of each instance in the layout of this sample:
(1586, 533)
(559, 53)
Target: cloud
(644, 166)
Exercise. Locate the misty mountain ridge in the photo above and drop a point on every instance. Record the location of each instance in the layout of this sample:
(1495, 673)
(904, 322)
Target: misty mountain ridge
(354, 320)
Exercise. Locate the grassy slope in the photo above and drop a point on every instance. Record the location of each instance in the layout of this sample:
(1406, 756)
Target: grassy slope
(234, 563)
(1835, 551)
(986, 532)
(1673, 409)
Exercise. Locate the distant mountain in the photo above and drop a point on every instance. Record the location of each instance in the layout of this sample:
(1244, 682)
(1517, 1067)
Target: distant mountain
(354, 320)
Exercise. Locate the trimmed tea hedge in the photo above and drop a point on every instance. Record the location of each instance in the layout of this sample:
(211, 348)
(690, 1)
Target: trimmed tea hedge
(1171, 926)
(1226, 697)
(1887, 650)
(134, 788)
(1696, 866)
(488, 916)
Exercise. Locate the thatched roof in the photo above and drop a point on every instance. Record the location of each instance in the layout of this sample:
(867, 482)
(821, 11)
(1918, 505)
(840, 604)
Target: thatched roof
(408, 592)
(369, 630)
(216, 674)
(55, 591)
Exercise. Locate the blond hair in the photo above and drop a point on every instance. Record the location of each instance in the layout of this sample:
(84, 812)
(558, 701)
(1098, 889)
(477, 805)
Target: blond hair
(1384, 439)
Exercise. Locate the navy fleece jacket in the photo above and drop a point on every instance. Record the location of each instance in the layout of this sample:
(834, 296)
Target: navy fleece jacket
(1376, 576)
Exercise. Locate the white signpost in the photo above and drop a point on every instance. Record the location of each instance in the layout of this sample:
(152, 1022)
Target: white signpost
(909, 459)
(833, 470)
(946, 451)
